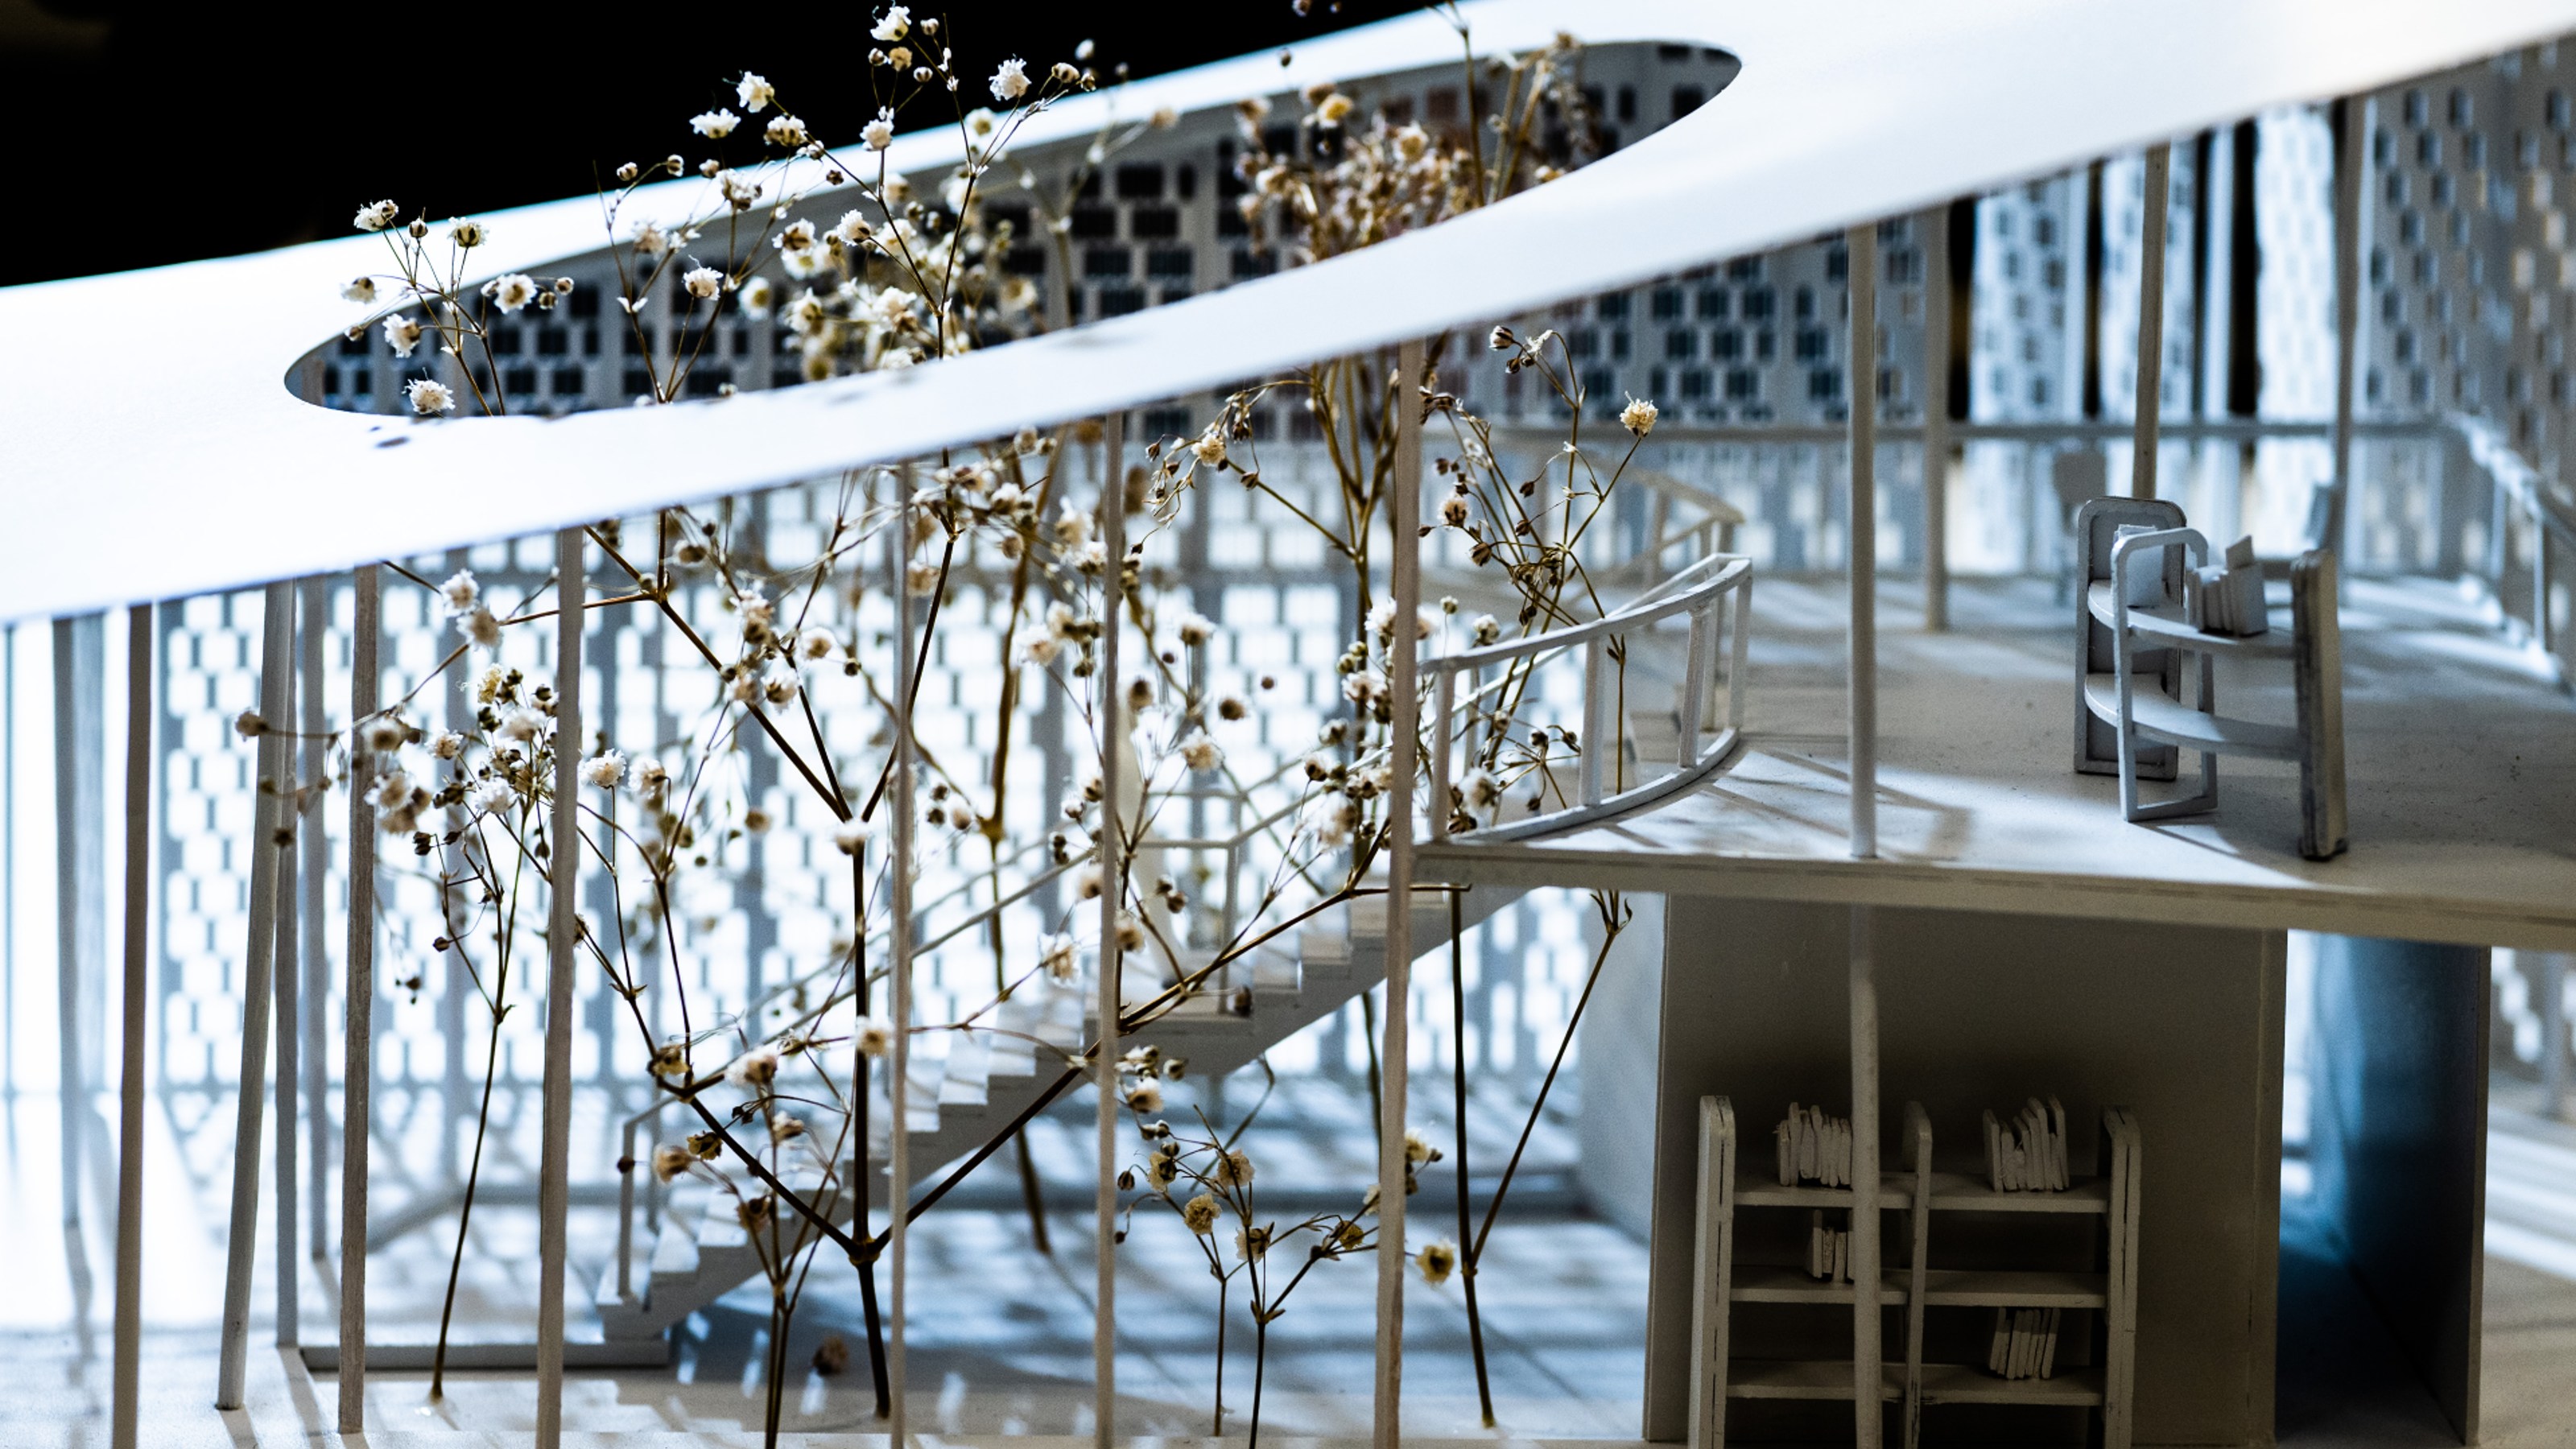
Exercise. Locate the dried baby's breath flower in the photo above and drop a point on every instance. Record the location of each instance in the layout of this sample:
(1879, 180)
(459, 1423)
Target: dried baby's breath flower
(702, 282)
(1196, 629)
(1145, 1097)
(1334, 109)
(489, 797)
(873, 1036)
(448, 745)
(1437, 1261)
(1232, 707)
(481, 627)
(361, 290)
(756, 1213)
(716, 124)
(467, 235)
(1200, 1213)
(1418, 1148)
(1056, 954)
(1252, 1244)
(512, 292)
(878, 133)
(1011, 79)
(896, 24)
(705, 1145)
(754, 92)
(754, 1070)
(402, 334)
(461, 592)
(670, 1162)
(430, 397)
(1639, 416)
(605, 771)
(1233, 1169)
(522, 725)
(785, 131)
(375, 216)
(1200, 753)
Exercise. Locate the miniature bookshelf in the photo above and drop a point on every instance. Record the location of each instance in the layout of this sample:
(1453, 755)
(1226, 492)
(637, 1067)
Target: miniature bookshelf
(1923, 1194)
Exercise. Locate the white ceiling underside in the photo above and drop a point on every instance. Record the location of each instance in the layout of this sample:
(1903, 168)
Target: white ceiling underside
(150, 448)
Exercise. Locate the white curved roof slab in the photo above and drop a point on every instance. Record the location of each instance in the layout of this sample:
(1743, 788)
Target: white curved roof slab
(145, 426)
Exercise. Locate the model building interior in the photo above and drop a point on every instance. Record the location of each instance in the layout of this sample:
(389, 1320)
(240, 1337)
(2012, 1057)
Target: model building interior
(1633, 722)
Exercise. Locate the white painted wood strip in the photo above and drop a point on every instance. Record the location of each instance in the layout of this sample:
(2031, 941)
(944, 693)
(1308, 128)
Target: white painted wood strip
(563, 964)
(2151, 320)
(357, 1046)
(1861, 529)
(258, 992)
(126, 1389)
(1114, 849)
(1404, 519)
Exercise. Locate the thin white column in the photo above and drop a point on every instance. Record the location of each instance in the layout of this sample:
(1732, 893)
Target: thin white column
(1936, 418)
(2351, 164)
(563, 927)
(358, 1044)
(258, 966)
(127, 1392)
(1404, 516)
(1113, 844)
(2151, 320)
(316, 876)
(284, 961)
(80, 899)
(899, 966)
(1866, 1410)
(1862, 655)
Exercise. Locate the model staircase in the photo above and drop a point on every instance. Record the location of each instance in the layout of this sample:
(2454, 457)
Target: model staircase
(959, 1098)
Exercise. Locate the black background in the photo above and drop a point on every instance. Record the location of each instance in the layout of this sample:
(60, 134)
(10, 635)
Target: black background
(149, 133)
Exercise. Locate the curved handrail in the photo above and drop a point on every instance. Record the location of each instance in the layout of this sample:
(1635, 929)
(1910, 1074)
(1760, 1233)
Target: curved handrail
(1704, 600)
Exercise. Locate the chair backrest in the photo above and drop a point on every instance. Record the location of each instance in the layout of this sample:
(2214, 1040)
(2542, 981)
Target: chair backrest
(2079, 475)
(2317, 659)
(2097, 526)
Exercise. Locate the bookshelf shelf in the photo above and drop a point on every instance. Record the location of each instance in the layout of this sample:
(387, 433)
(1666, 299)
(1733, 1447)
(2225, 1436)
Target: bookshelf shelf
(2103, 1295)
(1821, 1379)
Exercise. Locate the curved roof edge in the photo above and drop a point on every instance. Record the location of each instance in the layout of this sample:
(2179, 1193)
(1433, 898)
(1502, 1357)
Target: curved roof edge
(161, 467)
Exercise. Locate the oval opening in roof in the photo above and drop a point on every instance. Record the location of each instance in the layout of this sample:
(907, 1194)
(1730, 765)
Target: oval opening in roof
(821, 263)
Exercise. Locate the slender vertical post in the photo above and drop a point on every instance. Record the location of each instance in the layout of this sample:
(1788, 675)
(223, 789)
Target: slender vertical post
(1113, 852)
(1862, 656)
(899, 993)
(127, 1393)
(1404, 517)
(2553, 1034)
(900, 968)
(358, 1033)
(80, 899)
(563, 932)
(1936, 418)
(2151, 320)
(284, 960)
(2351, 162)
(258, 962)
(1866, 1417)
(316, 876)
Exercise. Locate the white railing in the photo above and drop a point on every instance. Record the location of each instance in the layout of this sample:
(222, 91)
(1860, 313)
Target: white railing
(2518, 491)
(1701, 593)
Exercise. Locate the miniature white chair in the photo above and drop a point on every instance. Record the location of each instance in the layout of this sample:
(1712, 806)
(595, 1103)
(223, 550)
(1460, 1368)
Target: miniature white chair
(2312, 645)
